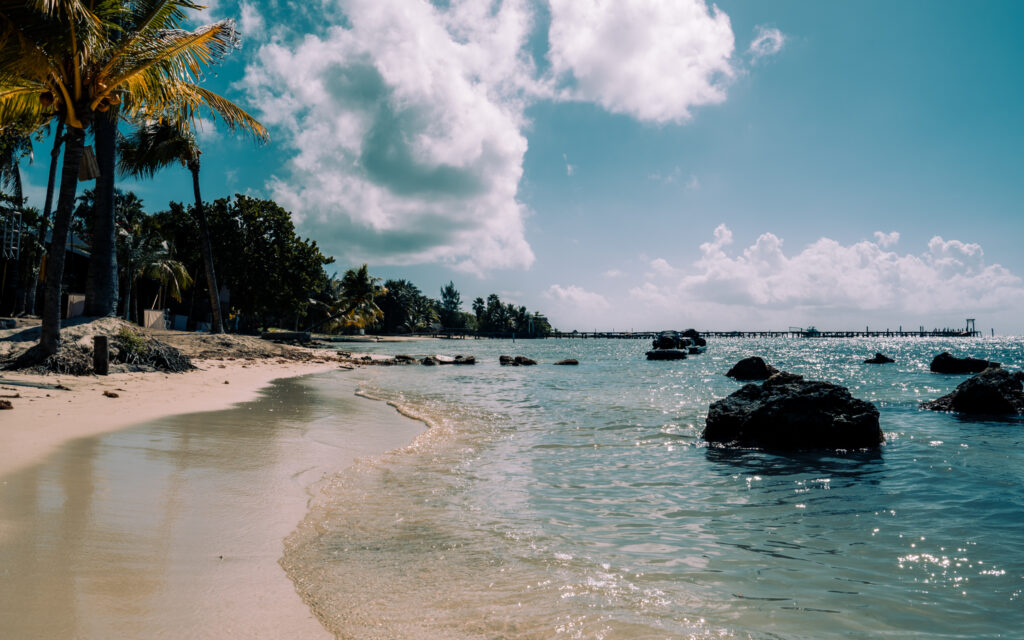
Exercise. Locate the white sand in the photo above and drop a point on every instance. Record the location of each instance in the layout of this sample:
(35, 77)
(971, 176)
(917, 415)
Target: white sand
(173, 529)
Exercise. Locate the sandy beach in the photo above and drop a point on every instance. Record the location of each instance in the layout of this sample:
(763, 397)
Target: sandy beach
(155, 504)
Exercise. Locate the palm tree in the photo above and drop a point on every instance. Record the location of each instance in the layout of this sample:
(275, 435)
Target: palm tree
(354, 300)
(71, 61)
(154, 146)
(142, 252)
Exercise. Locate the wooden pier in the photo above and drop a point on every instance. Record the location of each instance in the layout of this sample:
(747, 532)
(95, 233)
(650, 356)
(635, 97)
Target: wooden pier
(790, 333)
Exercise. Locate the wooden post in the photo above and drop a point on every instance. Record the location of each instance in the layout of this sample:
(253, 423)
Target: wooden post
(100, 355)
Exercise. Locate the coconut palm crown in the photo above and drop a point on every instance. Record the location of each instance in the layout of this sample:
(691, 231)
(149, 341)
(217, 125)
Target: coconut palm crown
(67, 59)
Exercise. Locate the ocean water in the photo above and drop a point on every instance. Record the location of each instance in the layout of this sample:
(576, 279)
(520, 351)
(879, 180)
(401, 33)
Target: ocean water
(580, 502)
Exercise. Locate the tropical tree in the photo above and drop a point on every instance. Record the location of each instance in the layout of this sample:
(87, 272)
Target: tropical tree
(450, 309)
(359, 291)
(156, 145)
(70, 60)
(143, 252)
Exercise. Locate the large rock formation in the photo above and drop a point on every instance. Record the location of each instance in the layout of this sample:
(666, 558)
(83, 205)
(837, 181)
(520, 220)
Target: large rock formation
(946, 362)
(995, 392)
(568, 361)
(879, 359)
(753, 368)
(788, 413)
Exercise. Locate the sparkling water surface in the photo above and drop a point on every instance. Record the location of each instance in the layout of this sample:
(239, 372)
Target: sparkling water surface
(580, 502)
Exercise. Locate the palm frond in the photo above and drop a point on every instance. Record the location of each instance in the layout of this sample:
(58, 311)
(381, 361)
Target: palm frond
(154, 146)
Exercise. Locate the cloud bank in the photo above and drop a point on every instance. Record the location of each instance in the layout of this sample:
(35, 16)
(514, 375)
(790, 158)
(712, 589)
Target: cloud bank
(405, 120)
(828, 281)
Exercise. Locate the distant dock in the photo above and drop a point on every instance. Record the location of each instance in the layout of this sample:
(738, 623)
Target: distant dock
(789, 333)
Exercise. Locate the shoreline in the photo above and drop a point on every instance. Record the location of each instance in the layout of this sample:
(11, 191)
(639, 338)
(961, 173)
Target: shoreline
(54, 409)
(212, 566)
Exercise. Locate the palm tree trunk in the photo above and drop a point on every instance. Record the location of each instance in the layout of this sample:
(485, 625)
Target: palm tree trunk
(44, 224)
(101, 285)
(49, 340)
(217, 325)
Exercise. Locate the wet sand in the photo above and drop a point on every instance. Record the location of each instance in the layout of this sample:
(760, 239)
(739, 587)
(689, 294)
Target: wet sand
(174, 528)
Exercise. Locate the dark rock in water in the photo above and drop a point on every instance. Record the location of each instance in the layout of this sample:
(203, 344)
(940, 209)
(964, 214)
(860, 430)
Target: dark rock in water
(666, 341)
(753, 368)
(6, 405)
(568, 361)
(788, 413)
(462, 360)
(946, 362)
(666, 354)
(879, 359)
(402, 359)
(518, 361)
(694, 335)
(994, 392)
(430, 361)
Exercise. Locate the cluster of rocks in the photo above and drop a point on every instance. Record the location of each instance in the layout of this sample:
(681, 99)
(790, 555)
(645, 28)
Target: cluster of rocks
(516, 361)
(786, 412)
(430, 361)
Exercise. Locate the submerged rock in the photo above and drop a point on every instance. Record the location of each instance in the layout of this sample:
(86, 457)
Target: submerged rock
(788, 413)
(994, 392)
(568, 361)
(753, 368)
(879, 359)
(404, 359)
(430, 361)
(946, 362)
(456, 360)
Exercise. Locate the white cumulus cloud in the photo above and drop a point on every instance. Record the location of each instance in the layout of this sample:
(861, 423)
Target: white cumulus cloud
(404, 121)
(406, 127)
(650, 59)
(886, 240)
(577, 297)
(831, 281)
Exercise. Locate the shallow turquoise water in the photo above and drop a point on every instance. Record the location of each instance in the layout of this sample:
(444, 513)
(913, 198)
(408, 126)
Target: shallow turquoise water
(580, 502)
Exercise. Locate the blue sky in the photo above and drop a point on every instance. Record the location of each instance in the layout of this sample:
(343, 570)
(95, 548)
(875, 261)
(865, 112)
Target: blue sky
(644, 164)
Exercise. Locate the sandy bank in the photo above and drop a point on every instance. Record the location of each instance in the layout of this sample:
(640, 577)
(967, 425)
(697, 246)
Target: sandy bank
(113, 528)
(51, 410)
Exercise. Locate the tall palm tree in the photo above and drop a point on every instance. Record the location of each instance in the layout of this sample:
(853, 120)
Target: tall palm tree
(71, 61)
(154, 146)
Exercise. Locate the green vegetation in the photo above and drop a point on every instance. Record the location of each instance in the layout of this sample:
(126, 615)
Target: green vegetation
(92, 65)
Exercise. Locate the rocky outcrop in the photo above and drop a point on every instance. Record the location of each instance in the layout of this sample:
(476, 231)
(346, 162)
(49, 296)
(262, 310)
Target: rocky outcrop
(403, 359)
(694, 335)
(879, 359)
(518, 361)
(788, 413)
(568, 361)
(753, 368)
(430, 361)
(946, 362)
(994, 392)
